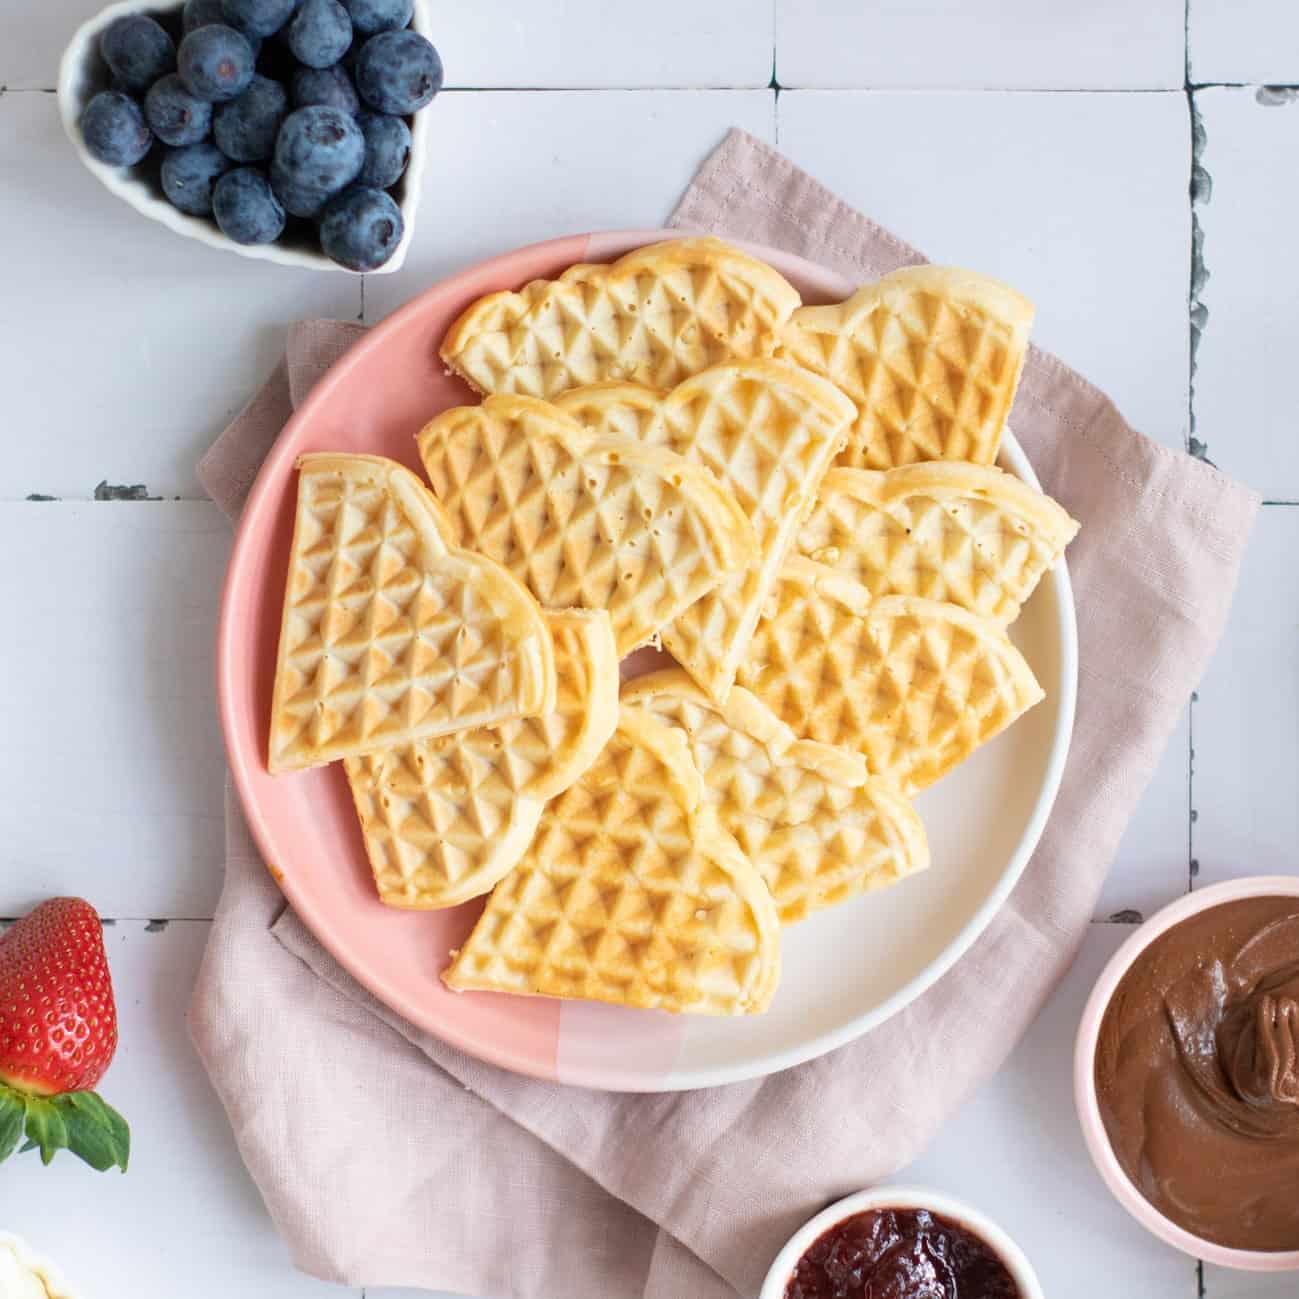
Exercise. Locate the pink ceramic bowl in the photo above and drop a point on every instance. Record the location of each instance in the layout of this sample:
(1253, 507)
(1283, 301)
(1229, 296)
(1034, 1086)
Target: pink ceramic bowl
(1084, 1075)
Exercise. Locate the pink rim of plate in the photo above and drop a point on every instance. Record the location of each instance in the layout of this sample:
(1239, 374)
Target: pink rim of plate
(391, 958)
(1084, 1076)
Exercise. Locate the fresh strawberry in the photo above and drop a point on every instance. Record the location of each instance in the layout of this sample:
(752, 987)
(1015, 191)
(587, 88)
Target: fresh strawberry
(58, 1032)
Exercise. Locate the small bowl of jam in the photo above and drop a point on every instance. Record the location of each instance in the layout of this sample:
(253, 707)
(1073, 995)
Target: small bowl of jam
(901, 1243)
(1186, 1074)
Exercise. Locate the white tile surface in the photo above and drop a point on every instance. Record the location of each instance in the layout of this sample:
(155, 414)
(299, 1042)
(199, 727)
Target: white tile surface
(125, 348)
(594, 43)
(1036, 44)
(136, 345)
(185, 1220)
(1244, 403)
(32, 38)
(1244, 40)
(1079, 200)
(1246, 718)
(113, 779)
(538, 166)
(1015, 1150)
(1152, 865)
(1224, 1283)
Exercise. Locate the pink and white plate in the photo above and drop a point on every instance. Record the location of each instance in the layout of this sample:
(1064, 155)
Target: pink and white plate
(845, 970)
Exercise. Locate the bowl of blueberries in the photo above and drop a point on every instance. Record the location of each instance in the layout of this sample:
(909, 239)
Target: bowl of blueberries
(286, 130)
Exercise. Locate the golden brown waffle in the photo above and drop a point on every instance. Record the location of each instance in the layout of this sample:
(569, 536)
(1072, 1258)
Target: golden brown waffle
(807, 815)
(445, 819)
(630, 894)
(931, 356)
(653, 317)
(767, 431)
(390, 634)
(601, 523)
(968, 534)
(914, 685)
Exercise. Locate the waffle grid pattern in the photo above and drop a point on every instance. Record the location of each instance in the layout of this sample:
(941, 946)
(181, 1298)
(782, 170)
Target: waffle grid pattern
(914, 685)
(627, 896)
(932, 358)
(767, 432)
(654, 317)
(966, 534)
(444, 820)
(597, 523)
(816, 826)
(388, 636)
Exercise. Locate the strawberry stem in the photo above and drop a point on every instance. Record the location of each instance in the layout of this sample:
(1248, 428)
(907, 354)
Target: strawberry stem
(76, 1121)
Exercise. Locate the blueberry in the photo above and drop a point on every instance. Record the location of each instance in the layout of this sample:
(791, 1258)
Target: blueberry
(329, 86)
(206, 13)
(398, 72)
(137, 52)
(246, 208)
(387, 149)
(360, 229)
(370, 16)
(174, 114)
(216, 63)
(245, 128)
(189, 174)
(257, 17)
(300, 200)
(320, 33)
(114, 129)
(201, 13)
(319, 149)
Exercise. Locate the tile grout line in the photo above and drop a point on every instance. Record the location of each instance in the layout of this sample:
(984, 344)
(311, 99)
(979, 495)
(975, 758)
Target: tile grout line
(749, 87)
(1199, 189)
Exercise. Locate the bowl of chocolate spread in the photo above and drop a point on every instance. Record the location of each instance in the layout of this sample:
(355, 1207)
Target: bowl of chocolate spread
(900, 1243)
(1186, 1074)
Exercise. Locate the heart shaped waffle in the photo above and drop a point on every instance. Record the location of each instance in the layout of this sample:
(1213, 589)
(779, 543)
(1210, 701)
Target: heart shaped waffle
(630, 894)
(931, 356)
(767, 431)
(914, 685)
(819, 829)
(389, 633)
(968, 534)
(600, 523)
(445, 819)
(654, 316)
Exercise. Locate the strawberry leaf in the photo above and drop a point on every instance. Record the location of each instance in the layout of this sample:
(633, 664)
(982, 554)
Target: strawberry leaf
(78, 1121)
(12, 1115)
(45, 1126)
(96, 1131)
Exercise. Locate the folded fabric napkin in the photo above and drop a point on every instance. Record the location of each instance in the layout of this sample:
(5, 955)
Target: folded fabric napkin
(388, 1158)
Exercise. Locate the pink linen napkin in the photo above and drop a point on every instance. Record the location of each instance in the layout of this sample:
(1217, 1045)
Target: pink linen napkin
(387, 1158)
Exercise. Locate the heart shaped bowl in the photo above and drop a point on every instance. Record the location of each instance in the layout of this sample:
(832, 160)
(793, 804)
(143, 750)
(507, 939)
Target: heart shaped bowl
(83, 74)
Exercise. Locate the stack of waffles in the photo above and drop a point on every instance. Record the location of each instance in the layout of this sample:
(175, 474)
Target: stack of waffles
(796, 506)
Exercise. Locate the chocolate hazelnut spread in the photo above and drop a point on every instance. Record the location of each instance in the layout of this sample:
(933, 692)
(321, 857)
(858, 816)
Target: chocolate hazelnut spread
(1197, 1073)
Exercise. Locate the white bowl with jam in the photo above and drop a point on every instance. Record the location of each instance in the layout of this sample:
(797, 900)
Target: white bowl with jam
(916, 1241)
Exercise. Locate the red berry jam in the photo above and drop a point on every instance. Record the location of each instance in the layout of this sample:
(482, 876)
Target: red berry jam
(900, 1254)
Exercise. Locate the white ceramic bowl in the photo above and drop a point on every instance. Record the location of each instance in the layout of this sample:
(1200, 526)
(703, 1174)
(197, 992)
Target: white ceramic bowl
(902, 1197)
(1089, 1114)
(82, 75)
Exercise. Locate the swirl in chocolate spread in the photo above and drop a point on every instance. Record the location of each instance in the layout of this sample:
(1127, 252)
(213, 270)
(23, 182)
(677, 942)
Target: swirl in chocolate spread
(1197, 1073)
